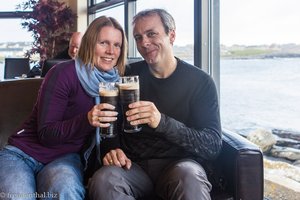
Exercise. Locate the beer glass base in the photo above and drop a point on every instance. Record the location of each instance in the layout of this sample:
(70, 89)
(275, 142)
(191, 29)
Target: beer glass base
(134, 130)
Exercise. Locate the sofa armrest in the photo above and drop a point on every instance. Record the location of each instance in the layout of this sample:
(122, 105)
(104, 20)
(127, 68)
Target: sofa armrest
(17, 98)
(239, 168)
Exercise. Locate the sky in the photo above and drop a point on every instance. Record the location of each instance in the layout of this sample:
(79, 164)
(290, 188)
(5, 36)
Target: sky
(11, 29)
(248, 22)
(255, 22)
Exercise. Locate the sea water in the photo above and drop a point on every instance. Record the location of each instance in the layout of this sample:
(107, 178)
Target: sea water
(260, 93)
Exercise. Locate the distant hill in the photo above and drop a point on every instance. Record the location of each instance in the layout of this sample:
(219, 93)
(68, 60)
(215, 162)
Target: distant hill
(260, 51)
(245, 52)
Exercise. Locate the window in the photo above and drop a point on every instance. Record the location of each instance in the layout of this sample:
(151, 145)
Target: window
(115, 12)
(10, 5)
(183, 13)
(14, 40)
(99, 1)
(12, 31)
(260, 65)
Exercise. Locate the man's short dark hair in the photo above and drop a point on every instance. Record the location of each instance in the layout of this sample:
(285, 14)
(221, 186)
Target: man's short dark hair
(165, 17)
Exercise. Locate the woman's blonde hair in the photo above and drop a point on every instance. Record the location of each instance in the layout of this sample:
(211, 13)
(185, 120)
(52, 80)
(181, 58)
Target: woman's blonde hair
(89, 40)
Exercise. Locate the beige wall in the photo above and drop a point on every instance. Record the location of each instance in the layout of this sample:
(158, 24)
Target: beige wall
(80, 8)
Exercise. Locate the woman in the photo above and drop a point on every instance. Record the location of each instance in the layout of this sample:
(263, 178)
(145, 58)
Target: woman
(42, 158)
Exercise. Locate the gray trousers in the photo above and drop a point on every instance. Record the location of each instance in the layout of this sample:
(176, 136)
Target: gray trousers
(169, 179)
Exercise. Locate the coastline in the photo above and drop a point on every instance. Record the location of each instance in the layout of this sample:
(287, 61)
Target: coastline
(260, 51)
(282, 167)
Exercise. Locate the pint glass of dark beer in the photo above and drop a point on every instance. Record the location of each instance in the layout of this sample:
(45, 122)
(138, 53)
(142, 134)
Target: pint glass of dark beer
(109, 93)
(129, 92)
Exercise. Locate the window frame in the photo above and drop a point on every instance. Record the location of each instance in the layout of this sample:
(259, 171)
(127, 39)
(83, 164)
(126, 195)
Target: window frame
(206, 32)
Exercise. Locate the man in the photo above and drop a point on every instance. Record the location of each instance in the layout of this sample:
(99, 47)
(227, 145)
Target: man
(71, 51)
(179, 114)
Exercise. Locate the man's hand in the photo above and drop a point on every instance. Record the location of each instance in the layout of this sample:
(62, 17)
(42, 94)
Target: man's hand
(143, 112)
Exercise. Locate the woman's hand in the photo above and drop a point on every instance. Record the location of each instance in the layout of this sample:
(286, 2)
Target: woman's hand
(118, 158)
(102, 114)
(143, 112)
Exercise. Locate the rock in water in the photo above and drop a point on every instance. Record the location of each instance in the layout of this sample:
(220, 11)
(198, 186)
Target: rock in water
(285, 152)
(262, 138)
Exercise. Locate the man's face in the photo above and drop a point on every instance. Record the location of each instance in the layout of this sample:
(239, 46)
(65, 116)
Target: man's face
(152, 42)
(74, 46)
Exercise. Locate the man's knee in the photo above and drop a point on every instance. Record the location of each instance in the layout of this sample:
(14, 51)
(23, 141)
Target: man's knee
(106, 179)
(107, 175)
(188, 170)
(184, 180)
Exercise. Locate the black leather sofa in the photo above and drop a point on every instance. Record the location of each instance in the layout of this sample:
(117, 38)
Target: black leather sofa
(237, 173)
(17, 97)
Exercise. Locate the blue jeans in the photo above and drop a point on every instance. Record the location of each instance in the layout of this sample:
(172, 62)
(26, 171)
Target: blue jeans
(23, 177)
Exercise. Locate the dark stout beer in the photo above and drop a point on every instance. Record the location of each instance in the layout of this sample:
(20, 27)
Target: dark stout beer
(129, 93)
(111, 97)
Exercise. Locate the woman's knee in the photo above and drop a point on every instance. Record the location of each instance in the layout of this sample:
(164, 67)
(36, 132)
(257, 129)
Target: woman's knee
(61, 179)
(13, 167)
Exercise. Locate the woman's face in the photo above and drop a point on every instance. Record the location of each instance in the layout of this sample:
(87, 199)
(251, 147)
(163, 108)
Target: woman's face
(108, 48)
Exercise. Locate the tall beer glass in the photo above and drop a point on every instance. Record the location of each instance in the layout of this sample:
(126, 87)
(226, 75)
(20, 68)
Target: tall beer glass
(109, 93)
(129, 92)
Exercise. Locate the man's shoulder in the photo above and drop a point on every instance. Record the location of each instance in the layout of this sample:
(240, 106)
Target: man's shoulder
(187, 67)
(192, 72)
(135, 68)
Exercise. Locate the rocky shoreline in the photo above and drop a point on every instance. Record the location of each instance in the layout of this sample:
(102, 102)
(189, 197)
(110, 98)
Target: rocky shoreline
(281, 162)
(281, 144)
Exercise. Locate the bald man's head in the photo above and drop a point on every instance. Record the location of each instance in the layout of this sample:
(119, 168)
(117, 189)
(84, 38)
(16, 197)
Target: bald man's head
(74, 44)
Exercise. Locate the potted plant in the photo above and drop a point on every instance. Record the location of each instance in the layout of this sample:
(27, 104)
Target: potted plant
(50, 23)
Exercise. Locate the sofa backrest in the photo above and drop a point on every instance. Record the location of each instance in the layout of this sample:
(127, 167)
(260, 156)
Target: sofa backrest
(17, 98)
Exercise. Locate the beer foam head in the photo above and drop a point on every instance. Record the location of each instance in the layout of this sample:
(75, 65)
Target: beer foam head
(109, 93)
(129, 86)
